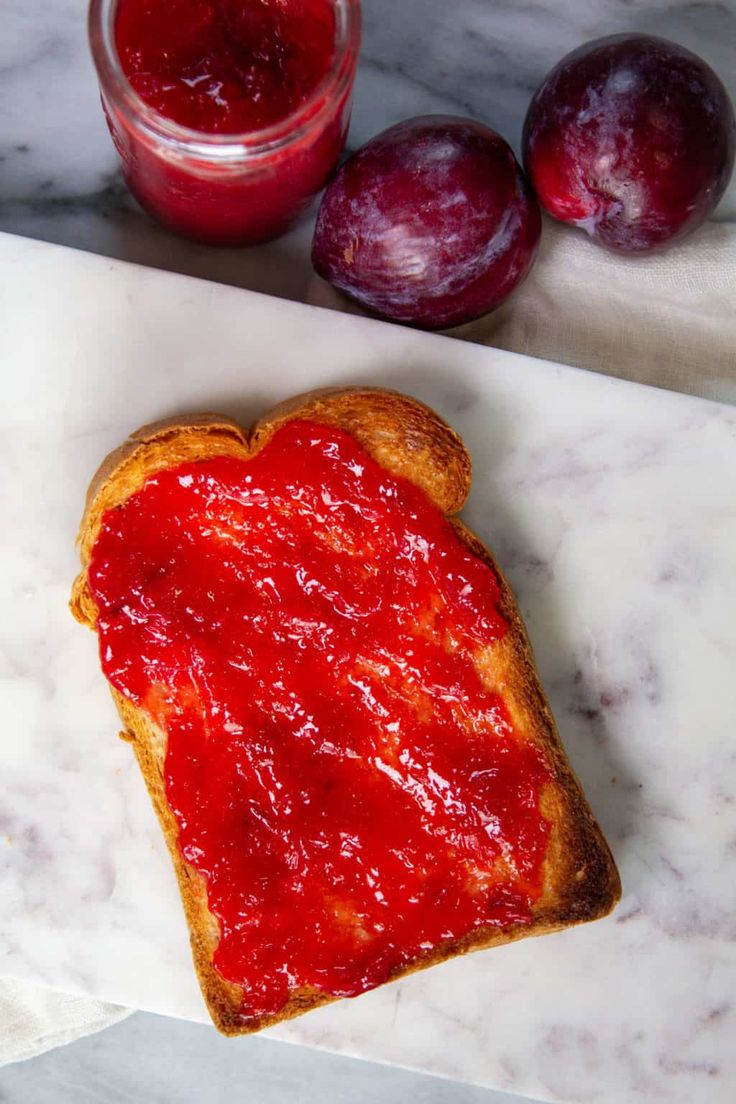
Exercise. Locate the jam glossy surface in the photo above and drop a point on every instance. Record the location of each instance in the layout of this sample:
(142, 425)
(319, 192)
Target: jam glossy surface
(307, 629)
(225, 66)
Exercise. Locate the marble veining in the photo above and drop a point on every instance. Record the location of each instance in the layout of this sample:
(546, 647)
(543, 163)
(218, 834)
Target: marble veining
(59, 179)
(609, 505)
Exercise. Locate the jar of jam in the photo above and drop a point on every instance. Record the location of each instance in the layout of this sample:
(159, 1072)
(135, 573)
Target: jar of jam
(228, 115)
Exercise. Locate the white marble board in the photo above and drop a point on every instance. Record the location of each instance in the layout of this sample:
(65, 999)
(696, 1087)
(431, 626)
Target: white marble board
(613, 509)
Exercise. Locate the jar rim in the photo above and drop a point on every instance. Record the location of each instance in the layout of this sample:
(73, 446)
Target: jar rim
(223, 147)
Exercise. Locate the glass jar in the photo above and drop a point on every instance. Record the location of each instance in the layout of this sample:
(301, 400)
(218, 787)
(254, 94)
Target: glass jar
(227, 189)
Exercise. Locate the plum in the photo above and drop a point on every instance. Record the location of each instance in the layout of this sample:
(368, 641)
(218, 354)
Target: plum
(632, 139)
(431, 223)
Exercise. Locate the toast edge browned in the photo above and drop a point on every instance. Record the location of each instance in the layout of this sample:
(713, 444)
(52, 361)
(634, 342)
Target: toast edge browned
(409, 439)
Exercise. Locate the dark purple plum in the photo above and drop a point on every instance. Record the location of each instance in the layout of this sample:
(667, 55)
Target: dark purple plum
(431, 223)
(632, 139)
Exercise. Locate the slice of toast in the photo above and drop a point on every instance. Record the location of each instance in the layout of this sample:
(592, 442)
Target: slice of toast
(579, 878)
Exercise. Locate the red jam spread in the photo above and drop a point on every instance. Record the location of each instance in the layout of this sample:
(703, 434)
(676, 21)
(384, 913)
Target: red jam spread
(306, 627)
(227, 70)
(225, 66)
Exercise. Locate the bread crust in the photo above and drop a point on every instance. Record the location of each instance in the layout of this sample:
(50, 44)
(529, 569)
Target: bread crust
(580, 879)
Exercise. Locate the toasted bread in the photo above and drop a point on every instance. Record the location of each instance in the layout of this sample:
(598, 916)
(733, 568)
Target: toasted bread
(580, 880)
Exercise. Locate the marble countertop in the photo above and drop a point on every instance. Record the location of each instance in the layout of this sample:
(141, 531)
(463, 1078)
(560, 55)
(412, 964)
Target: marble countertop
(58, 173)
(185, 1063)
(612, 514)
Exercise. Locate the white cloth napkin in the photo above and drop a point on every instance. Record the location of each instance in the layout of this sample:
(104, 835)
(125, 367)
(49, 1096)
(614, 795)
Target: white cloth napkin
(667, 320)
(34, 1019)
